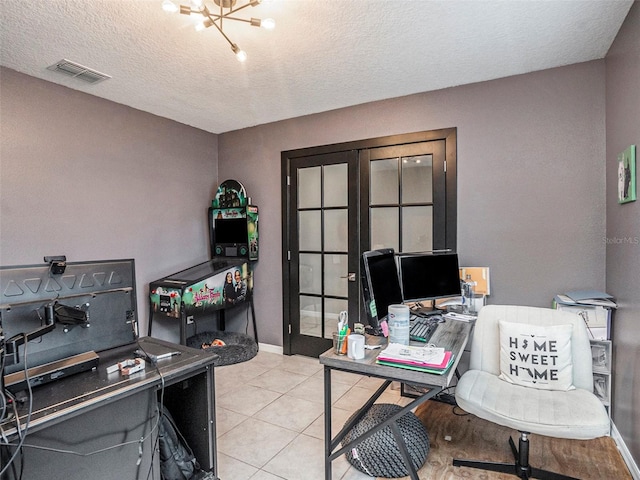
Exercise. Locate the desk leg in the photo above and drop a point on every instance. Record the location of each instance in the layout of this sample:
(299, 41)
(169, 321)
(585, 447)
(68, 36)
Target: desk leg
(327, 423)
(403, 450)
(211, 403)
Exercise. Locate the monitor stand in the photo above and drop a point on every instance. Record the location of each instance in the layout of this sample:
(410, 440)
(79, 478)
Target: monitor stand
(420, 310)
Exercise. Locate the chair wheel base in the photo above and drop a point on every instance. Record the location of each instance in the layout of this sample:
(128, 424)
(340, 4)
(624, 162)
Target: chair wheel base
(519, 468)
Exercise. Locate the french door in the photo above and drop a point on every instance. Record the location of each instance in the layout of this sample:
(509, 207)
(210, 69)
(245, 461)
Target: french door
(341, 200)
(323, 258)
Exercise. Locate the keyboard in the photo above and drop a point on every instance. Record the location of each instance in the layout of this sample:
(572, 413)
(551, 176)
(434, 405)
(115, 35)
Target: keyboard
(422, 329)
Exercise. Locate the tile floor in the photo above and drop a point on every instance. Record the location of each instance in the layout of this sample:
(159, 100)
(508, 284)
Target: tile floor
(270, 421)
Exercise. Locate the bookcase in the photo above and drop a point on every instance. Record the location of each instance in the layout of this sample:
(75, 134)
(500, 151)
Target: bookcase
(601, 352)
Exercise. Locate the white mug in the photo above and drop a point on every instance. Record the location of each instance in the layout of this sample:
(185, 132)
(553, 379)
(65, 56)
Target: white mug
(355, 346)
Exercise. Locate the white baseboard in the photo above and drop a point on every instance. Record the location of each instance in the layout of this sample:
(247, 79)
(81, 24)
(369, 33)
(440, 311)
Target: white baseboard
(624, 451)
(266, 347)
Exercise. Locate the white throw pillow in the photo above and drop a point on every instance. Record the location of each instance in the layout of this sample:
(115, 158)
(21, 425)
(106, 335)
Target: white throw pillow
(536, 356)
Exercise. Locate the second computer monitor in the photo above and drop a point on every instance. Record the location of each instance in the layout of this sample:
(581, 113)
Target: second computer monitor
(380, 285)
(429, 276)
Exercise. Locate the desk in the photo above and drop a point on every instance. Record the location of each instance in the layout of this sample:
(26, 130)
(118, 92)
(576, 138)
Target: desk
(451, 335)
(93, 410)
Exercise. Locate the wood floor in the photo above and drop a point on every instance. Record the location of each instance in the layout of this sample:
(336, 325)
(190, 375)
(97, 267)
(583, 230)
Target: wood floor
(476, 439)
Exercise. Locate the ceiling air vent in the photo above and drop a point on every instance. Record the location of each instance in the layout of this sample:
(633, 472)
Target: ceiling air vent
(78, 71)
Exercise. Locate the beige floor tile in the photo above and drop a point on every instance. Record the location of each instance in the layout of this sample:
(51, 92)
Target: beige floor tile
(303, 459)
(312, 389)
(302, 365)
(341, 377)
(289, 412)
(268, 360)
(357, 396)
(246, 399)
(338, 419)
(227, 419)
(255, 442)
(277, 380)
(229, 377)
(262, 475)
(230, 468)
(263, 404)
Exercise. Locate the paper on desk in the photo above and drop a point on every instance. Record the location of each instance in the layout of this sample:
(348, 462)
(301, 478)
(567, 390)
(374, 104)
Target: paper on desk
(433, 356)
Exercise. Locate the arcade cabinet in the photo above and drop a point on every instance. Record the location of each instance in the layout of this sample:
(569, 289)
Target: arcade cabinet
(201, 294)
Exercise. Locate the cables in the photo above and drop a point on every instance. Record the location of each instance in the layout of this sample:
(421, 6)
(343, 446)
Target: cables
(11, 451)
(22, 433)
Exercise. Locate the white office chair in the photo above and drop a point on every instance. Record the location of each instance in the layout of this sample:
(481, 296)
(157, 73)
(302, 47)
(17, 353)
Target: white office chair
(550, 396)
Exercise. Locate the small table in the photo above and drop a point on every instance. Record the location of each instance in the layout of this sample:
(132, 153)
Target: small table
(451, 335)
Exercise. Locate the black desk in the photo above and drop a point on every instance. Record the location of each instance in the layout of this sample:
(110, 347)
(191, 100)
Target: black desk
(93, 411)
(451, 335)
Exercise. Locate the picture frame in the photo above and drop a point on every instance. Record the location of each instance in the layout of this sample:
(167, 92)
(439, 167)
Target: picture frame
(627, 175)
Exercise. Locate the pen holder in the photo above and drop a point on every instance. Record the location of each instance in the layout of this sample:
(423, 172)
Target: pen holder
(339, 343)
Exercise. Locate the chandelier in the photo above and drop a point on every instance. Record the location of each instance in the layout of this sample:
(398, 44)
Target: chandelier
(216, 16)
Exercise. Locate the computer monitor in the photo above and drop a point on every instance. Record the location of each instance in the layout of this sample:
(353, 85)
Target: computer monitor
(380, 285)
(428, 276)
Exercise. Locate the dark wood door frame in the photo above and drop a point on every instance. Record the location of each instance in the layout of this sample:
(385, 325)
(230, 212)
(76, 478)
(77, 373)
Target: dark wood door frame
(449, 135)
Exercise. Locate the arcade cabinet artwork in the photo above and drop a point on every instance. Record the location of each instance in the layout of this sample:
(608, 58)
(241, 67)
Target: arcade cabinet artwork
(205, 291)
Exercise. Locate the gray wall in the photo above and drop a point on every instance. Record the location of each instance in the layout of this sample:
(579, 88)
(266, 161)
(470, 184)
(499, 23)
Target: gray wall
(531, 178)
(93, 180)
(623, 227)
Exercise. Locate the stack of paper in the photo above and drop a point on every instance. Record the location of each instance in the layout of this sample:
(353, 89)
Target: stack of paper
(587, 297)
(423, 359)
(594, 307)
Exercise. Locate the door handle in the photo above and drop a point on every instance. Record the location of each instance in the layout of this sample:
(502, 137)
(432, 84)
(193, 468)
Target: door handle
(351, 277)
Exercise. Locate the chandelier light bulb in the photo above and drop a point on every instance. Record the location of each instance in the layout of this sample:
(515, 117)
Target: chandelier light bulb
(268, 24)
(241, 55)
(169, 7)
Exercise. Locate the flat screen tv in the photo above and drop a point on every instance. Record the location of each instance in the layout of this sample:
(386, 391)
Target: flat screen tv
(380, 285)
(428, 276)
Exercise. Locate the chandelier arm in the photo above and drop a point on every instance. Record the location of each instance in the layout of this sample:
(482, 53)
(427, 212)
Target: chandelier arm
(247, 20)
(220, 29)
(234, 10)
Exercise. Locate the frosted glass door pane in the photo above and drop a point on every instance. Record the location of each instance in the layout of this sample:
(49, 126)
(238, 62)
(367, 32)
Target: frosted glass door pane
(417, 229)
(384, 182)
(310, 271)
(310, 315)
(335, 275)
(335, 230)
(417, 181)
(335, 185)
(385, 228)
(309, 193)
(309, 230)
(333, 307)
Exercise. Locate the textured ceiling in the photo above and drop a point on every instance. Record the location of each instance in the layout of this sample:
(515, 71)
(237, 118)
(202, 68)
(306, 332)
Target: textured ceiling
(323, 54)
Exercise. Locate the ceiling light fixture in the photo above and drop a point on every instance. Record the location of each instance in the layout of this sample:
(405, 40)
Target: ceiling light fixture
(211, 19)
